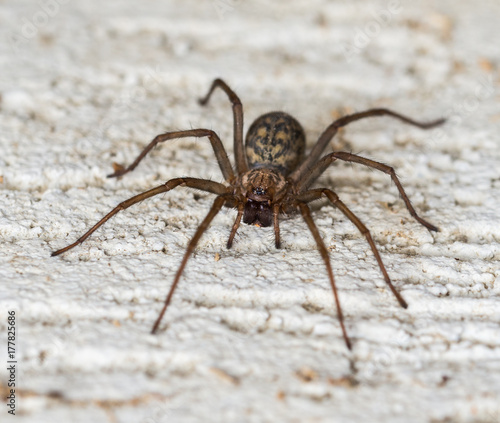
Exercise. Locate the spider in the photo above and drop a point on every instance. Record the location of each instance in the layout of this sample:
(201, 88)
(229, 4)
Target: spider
(272, 176)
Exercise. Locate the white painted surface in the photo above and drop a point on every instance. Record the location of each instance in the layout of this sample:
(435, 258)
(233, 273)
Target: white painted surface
(94, 82)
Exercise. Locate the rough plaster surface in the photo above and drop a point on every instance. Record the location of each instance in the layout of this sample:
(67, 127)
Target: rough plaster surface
(252, 336)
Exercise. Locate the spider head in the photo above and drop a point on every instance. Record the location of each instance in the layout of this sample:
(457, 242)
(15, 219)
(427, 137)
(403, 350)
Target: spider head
(262, 186)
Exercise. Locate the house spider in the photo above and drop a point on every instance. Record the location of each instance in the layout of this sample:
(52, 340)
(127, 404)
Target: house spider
(272, 176)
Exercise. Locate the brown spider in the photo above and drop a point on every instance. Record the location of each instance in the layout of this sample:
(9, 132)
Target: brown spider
(272, 177)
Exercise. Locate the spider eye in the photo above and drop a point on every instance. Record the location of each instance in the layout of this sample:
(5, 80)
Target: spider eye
(259, 191)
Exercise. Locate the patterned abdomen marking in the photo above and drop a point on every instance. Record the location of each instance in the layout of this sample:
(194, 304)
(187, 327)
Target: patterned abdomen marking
(275, 140)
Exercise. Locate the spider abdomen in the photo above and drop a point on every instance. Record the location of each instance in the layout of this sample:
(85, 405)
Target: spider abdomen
(275, 140)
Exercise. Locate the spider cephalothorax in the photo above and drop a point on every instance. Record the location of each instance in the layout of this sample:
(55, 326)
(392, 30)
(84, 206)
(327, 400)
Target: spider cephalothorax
(262, 187)
(272, 177)
(263, 184)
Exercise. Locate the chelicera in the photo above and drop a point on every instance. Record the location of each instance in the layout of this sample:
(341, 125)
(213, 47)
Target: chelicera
(272, 176)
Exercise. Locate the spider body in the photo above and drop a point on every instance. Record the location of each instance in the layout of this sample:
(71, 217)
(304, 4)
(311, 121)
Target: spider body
(274, 146)
(275, 140)
(271, 177)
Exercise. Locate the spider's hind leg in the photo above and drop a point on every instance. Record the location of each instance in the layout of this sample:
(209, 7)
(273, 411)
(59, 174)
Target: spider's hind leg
(239, 153)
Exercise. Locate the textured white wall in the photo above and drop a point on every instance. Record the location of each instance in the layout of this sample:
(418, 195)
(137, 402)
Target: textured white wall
(251, 337)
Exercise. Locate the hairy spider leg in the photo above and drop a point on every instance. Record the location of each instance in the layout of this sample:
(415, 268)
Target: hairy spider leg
(316, 194)
(306, 214)
(201, 184)
(220, 152)
(327, 160)
(216, 206)
(332, 129)
(239, 152)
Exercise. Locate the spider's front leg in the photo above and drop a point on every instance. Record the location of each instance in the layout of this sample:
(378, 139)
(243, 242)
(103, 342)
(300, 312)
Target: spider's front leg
(316, 194)
(306, 214)
(216, 206)
(202, 184)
